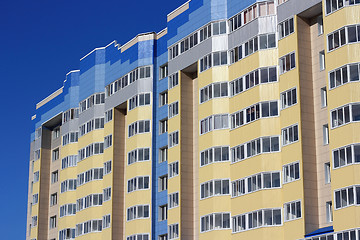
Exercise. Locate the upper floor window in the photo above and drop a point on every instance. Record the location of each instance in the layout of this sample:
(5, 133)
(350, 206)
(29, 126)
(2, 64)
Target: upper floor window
(254, 112)
(70, 114)
(334, 5)
(213, 90)
(163, 98)
(138, 155)
(214, 154)
(252, 79)
(212, 60)
(173, 109)
(214, 122)
(173, 200)
(251, 13)
(345, 114)
(173, 80)
(215, 188)
(142, 126)
(347, 196)
(163, 71)
(215, 221)
(291, 172)
(138, 212)
(290, 135)
(56, 133)
(287, 63)
(108, 115)
(286, 28)
(173, 139)
(55, 154)
(288, 98)
(346, 155)
(292, 210)
(255, 147)
(98, 98)
(139, 100)
(343, 75)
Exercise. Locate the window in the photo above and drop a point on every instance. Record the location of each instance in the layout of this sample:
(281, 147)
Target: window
(173, 232)
(108, 115)
(286, 28)
(67, 210)
(70, 114)
(256, 219)
(333, 5)
(173, 109)
(36, 176)
(173, 169)
(173, 80)
(56, 133)
(106, 221)
(173, 200)
(290, 135)
(34, 221)
(90, 175)
(69, 161)
(35, 199)
(68, 185)
(163, 212)
(142, 126)
(260, 181)
(212, 60)
(53, 199)
(138, 183)
(138, 155)
(347, 235)
(162, 181)
(52, 223)
(347, 196)
(138, 237)
(107, 194)
(292, 210)
(260, 42)
(54, 177)
(215, 221)
(173, 139)
(38, 133)
(163, 154)
(214, 122)
(336, 39)
(36, 154)
(343, 75)
(138, 212)
(215, 188)
(322, 60)
(107, 167)
(174, 51)
(98, 98)
(90, 150)
(127, 79)
(323, 97)
(291, 172)
(325, 134)
(253, 113)
(329, 212)
(251, 13)
(287, 63)
(55, 154)
(142, 99)
(252, 79)
(346, 155)
(163, 98)
(320, 24)
(163, 71)
(108, 141)
(288, 98)
(215, 154)
(327, 172)
(163, 125)
(89, 201)
(345, 114)
(88, 227)
(70, 137)
(163, 237)
(68, 233)
(255, 147)
(214, 90)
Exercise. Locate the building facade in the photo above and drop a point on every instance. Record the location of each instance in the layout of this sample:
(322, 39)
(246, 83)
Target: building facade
(239, 120)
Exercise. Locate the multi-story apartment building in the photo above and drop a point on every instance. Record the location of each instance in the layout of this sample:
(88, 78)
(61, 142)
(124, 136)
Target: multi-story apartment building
(240, 120)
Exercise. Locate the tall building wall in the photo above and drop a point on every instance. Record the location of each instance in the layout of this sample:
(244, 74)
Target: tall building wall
(237, 121)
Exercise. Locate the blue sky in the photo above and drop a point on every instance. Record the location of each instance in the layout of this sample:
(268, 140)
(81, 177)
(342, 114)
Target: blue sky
(41, 42)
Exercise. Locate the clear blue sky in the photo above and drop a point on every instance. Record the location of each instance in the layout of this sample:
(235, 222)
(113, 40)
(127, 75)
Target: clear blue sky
(41, 41)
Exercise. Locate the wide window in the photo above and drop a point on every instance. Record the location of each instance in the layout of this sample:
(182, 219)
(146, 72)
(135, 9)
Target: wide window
(346, 155)
(287, 63)
(291, 172)
(215, 188)
(290, 135)
(292, 210)
(215, 221)
(288, 98)
(286, 28)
